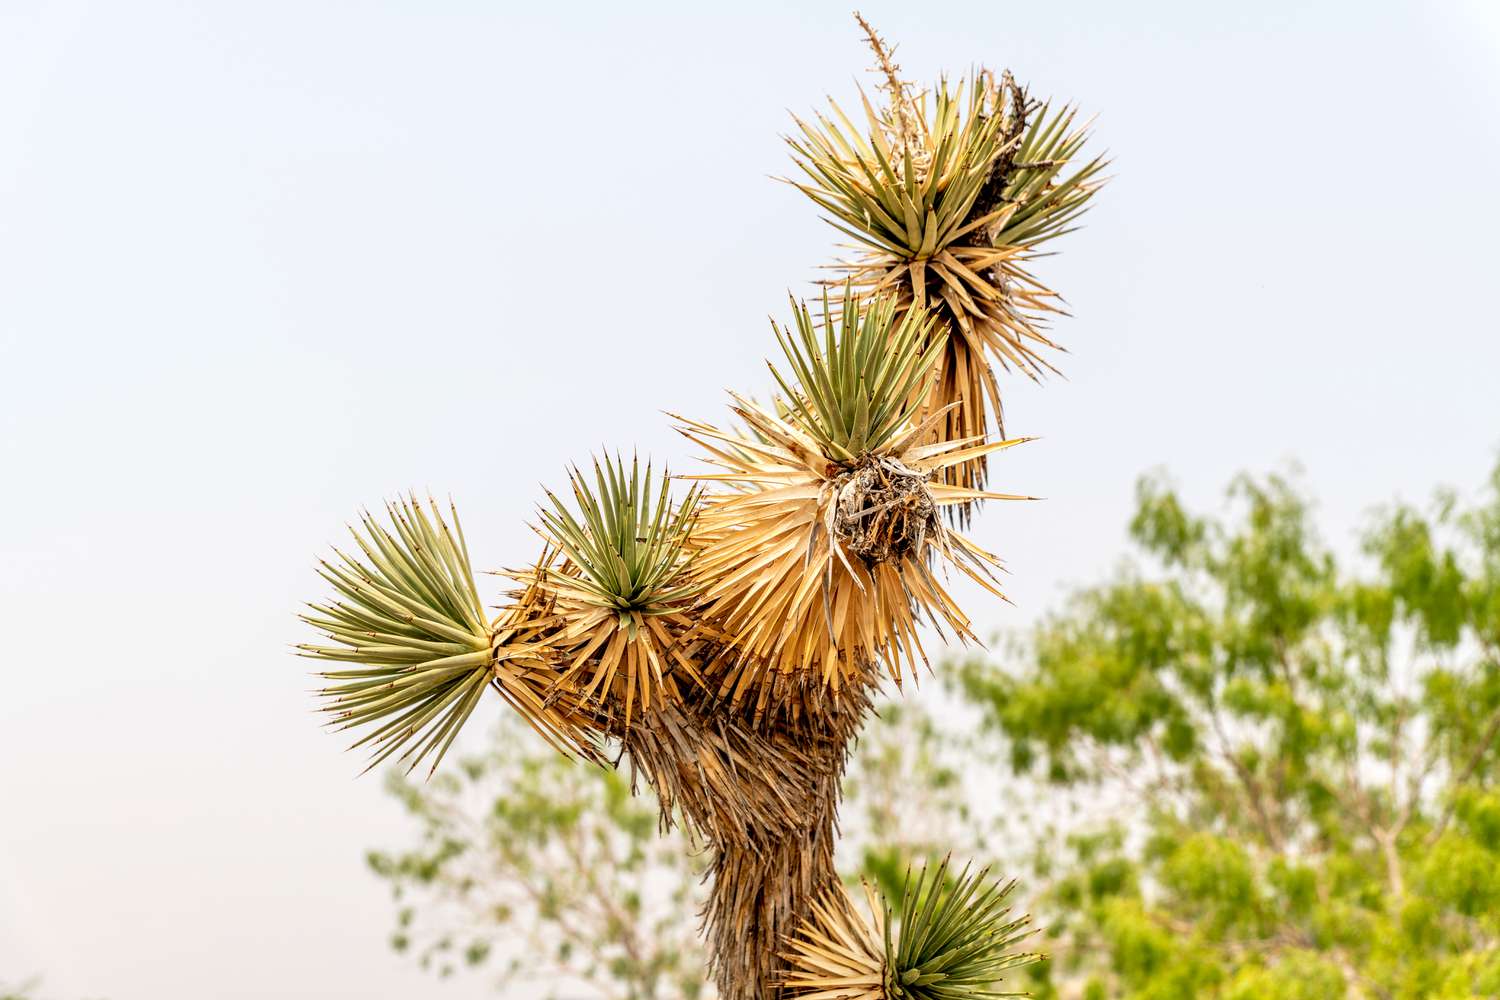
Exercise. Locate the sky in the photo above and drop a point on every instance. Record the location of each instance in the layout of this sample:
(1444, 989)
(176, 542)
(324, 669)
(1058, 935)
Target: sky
(263, 264)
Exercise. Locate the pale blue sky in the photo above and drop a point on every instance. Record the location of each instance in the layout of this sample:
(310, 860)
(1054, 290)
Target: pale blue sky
(263, 263)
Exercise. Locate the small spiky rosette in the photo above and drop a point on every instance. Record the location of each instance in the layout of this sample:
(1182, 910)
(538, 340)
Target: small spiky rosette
(614, 603)
(421, 650)
(820, 556)
(949, 197)
(949, 937)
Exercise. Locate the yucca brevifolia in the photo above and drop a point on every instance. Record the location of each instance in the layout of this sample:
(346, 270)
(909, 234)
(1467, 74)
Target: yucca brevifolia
(949, 196)
(727, 644)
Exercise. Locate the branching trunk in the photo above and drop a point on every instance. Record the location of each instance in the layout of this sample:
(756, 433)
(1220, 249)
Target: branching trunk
(758, 897)
(764, 794)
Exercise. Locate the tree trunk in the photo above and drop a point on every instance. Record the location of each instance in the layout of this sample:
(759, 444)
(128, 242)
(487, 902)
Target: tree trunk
(758, 896)
(764, 794)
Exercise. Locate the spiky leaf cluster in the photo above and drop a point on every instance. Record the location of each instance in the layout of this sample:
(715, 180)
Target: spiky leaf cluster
(948, 196)
(911, 196)
(949, 937)
(1047, 200)
(421, 650)
(617, 599)
(626, 538)
(856, 372)
(781, 573)
(955, 936)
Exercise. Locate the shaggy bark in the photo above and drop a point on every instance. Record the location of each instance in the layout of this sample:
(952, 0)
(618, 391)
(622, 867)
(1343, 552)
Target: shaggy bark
(763, 792)
(758, 897)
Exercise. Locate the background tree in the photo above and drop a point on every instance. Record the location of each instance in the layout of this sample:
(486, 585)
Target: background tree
(1299, 757)
(545, 873)
(26, 989)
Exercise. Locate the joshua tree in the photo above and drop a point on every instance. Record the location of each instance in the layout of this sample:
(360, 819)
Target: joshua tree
(724, 645)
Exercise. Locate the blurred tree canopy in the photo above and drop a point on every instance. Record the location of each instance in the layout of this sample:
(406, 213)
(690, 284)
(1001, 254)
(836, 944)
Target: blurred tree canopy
(1300, 756)
(548, 872)
(24, 990)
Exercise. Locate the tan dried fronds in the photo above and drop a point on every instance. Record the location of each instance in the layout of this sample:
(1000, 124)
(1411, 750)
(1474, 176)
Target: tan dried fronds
(819, 559)
(614, 665)
(736, 777)
(527, 675)
(837, 953)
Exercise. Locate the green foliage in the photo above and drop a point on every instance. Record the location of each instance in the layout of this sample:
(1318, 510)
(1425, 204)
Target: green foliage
(877, 195)
(627, 539)
(1298, 757)
(852, 387)
(1048, 203)
(25, 990)
(895, 193)
(538, 870)
(410, 622)
(950, 937)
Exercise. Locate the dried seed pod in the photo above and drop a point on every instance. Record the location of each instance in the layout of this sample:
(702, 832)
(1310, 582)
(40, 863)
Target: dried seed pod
(883, 510)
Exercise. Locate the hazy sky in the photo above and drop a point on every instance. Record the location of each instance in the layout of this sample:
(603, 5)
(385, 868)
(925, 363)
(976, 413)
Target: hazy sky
(262, 263)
